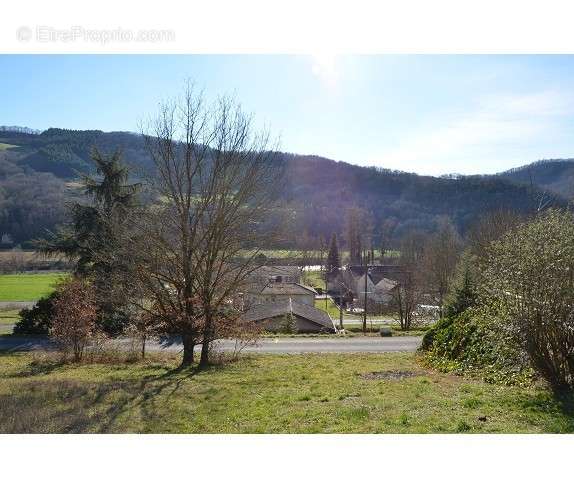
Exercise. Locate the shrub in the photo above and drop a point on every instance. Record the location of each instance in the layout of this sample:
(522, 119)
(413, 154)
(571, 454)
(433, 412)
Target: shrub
(74, 321)
(473, 343)
(38, 319)
(529, 284)
(115, 322)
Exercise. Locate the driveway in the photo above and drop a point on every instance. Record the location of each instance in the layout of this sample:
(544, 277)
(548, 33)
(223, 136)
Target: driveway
(287, 345)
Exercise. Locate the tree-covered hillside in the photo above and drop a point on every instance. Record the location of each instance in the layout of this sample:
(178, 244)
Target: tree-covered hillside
(324, 189)
(36, 171)
(556, 175)
(66, 152)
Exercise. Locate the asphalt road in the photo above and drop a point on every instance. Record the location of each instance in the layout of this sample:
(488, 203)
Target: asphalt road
(286, 345)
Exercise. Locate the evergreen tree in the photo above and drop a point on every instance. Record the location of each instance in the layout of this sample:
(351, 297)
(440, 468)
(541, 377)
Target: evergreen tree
(95, 232)
(288, 325)
(95, 224)
(463, 292)
(333, 260)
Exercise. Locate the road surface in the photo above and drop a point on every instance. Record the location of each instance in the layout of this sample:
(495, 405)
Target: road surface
(287, 345)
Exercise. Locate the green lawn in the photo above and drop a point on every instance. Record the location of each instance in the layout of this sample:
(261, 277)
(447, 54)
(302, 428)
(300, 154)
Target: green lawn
(314, 278)
(265, 393)
(7, 320)
(26, 287)
(4, 146)
(330, 307)
(8, 317)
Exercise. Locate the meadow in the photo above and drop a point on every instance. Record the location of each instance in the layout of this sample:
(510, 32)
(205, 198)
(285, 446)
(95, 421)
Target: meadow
(4, 146)
(306, 393)
(24, 287)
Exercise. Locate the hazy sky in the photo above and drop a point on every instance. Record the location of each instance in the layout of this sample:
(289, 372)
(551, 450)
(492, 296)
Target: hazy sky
(428, 114)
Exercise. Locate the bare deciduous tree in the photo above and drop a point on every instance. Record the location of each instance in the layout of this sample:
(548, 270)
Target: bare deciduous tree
(491, 227)
(215, 181)
(440, 256)
(354, 227)
(407, 295)
(386, 233)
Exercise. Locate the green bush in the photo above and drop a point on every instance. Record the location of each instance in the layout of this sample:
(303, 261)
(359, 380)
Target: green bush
(472, 343)
(37, 320)
(114, 322)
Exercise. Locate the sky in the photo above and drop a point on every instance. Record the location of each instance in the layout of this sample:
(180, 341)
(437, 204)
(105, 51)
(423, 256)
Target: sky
(429, 114)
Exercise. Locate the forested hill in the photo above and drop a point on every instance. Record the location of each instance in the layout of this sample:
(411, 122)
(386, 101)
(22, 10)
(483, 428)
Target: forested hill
(36, 172)
(328, 188)
(556, 175)
(65, 152)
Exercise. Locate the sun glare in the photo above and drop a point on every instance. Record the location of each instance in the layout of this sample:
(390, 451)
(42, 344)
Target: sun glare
(325, 67)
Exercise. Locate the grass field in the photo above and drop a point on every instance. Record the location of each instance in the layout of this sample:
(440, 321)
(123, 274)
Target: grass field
(7, 320)
(330, 307)
(282, 394)
(313, 278)
(4, 146)
(27, 286)
(8, 317)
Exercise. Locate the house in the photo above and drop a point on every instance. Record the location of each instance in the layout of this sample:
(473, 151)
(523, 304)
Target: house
(381, 284)
(393, 272)
(283, 292)
(262, 275)
(275, 284)
(380, 294)
(306, 318)
(385, 290)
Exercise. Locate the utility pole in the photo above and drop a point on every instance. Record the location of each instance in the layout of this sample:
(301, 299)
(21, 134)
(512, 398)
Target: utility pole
(340, 305)
(325, 291)
(366, 270)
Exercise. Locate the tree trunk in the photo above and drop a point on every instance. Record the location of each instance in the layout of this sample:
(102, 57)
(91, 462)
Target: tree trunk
(188, 346)
(207, 336)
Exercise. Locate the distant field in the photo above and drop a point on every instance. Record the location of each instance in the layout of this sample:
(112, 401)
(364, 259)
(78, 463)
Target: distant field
(26, 256)
(26, 287)
(4, 146)
(294, 253)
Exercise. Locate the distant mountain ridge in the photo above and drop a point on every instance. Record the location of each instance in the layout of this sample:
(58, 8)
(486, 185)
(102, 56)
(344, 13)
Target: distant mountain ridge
(555, 175)
(17, 128)
(317, 191)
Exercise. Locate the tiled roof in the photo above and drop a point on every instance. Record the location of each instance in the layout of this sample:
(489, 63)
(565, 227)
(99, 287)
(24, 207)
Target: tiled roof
(386, 285)
(270, 310)
(287, 289)
(276, 271)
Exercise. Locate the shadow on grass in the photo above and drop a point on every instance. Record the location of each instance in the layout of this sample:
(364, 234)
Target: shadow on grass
(555, 411)
(53, 405)
(39, 368)
(141, 393)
